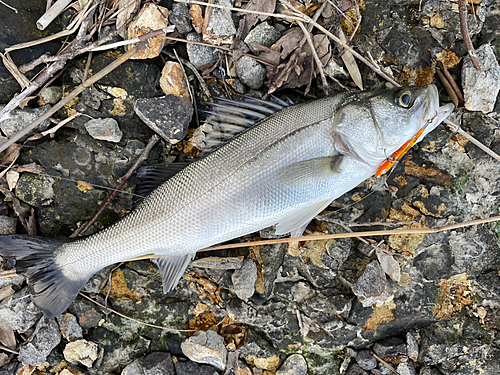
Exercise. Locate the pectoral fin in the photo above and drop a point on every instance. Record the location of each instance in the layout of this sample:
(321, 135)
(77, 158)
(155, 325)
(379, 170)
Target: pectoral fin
(309, 172)
(172, 267)
(297, 223)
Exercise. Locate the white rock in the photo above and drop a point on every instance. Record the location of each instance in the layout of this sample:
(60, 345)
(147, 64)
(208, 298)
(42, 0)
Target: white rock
(206, 347)
(82, 351)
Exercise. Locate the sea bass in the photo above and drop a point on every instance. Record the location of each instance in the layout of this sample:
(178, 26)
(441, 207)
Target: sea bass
(282, 171)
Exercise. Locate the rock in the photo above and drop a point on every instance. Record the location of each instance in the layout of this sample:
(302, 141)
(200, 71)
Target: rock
(263, 34)
(45, 338)
(406, 368)
(244, 280)
(179, 16)
(88, 316)
(70, 329)
(149, 19)
(19, 311)
(196, 17)
(391, 350)
(220, 26)
(172, 79)
(121, 352)
(412, 347)
(50, 95)
(191, 368)
(35, 189)
(334, 70)
(21, 119)
(168, 116)
(8, 225)
(366, 360)
(134, 368)
(372, 286)
(206, 347)
(82, 351)
(250, 72)
(104, 129)
(199, 55)
(481, 89)
(293, 365)
(158, 363)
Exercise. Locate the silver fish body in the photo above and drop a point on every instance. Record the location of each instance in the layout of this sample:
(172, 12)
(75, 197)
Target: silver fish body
(283, 171)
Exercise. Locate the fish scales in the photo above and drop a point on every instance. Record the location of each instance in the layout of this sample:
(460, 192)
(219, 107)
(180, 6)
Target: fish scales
(284, 171)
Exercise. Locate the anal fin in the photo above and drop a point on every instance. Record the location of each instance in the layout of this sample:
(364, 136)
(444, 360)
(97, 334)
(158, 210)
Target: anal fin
(172, 267)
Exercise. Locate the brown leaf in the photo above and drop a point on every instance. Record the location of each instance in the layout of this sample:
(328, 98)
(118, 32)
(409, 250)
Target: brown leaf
(202, 323)
(31, 223)
(350, 63)
(10, 155)
(250, 19)
(289, 42)
(31, 167)
(127, 10)
(233, 332)
(7, 336)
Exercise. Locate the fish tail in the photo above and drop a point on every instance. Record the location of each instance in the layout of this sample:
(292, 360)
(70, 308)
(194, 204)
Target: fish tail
(51, 291)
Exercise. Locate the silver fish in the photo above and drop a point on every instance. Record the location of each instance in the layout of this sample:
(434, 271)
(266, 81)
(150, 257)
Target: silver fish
(283, 171)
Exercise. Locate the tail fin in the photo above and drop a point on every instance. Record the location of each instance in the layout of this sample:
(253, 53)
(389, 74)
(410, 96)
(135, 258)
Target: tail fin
(51, 291)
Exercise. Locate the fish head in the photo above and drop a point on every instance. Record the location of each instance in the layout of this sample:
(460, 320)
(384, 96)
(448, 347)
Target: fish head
(376, 124)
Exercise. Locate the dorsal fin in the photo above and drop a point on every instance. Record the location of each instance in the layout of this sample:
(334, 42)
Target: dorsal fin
(153, 176)
(227, 118)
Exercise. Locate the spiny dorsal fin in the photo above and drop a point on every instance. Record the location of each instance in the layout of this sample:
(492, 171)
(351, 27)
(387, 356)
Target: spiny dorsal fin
(227, 118)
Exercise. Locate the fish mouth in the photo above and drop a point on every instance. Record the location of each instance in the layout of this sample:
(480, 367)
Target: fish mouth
(430, 113)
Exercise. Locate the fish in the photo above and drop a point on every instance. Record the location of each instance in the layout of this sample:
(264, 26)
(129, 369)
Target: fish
(283, 165)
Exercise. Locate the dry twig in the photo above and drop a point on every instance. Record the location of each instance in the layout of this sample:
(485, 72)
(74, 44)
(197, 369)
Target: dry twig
(450, 85)
(315, 56)
(8, 6)
(462, 14)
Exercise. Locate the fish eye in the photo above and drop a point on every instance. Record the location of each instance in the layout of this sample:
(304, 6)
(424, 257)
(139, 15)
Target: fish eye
(403, 99)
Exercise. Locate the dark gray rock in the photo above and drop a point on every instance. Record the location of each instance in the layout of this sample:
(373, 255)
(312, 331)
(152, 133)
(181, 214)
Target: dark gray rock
(293, 365)
(263, 34)
(412, 347)
(119, 353)
(244, 279)
(158, 363)
(406, 368)
(366, 360)
(219, 27)
(206, 347)
(8, 225)
(34, 189)
(88, 316)
(391, 350)
(250, 72)
(19, 311)
(192, 368)
(167, 116)
(199, 55)
(70, 329)
(179, 16)
(45, 338)
(134, 368)
(106, 129)
(355, 369)
(372, 286)
(23, 118)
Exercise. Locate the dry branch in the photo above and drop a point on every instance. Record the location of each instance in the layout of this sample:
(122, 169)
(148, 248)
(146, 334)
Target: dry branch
(462, 14)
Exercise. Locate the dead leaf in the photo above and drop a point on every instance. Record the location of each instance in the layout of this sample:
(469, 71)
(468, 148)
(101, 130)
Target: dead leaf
(350, 63)
(119, 289)
(127, 9)
(232, 332)
(10, 155)
(196, 17)
(322, 46)
(31, 167)
(202, 323)
(289, 42)
(7, 336)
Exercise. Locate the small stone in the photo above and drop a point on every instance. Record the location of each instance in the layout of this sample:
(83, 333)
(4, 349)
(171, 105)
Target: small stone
(263, 34)
(354, 369)
(35, 190)
(372, 286)
(179, 16)
(133, 368)
(250, 72)
(412, 347)
(158, 363)
(50, 95)
(45, 338)
(88, 316)
(149, 19)
(196, 17)
(8, 225)
(206, 347)
(19, 311)
(192, 368)
(70, 329)
(167, 116)
(334, 70)
(406, 368)
(220, 27)
(104, 129)
(244, 279)
(481, 89)
(366, 360)
(22, 118)
(392, 349)
(173, 81)
(199, 55)
(293, 365)
(82, 351)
